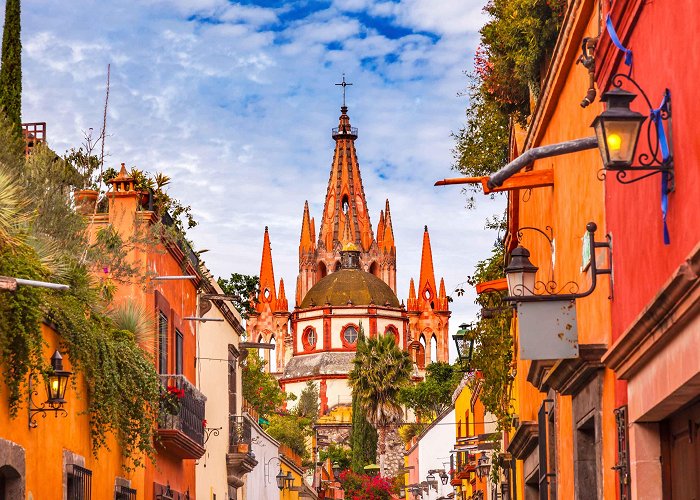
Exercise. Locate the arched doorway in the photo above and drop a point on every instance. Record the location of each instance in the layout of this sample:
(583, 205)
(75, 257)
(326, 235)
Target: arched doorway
(11, 484)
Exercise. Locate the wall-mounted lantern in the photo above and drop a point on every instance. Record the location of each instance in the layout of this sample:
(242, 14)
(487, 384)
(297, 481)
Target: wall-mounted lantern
(289, 480)
(523, 287)
(617, 130)
(444, 477)
(483, 467)
(56, 385)
(464, 340)
(281, 479)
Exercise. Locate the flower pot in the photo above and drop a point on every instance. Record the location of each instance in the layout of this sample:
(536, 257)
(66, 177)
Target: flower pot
(85, 201)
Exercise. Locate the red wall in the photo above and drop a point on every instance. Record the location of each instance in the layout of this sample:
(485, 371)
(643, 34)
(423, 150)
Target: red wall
(666, 54)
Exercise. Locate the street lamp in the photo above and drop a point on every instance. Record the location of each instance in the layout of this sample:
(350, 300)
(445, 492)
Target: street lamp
(483, 467)
(520, 273)
(617, 129)
(444, 477)
(281, 479)
(56, 385)
(336, 470)
(289, 480)
(464, 340)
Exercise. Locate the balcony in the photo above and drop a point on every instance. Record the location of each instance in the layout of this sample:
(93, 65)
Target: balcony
(181, 418)
(344, 133)
(239, 459)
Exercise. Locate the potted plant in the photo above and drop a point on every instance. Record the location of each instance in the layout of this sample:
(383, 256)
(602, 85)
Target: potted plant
(86, 167)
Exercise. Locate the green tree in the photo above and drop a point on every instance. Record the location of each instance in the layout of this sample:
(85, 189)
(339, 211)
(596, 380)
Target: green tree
(363, 437)
(380, 370)
(307, 406)
(11, 65)
(292, 431)
(260, 389)
(432, 396)
(337, 453)
(244, 290)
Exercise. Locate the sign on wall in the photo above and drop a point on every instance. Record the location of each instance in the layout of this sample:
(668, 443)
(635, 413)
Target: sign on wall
(548, 330)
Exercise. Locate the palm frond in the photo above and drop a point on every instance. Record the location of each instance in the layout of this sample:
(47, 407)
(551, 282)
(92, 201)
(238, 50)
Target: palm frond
(135, 318)
(13, 209)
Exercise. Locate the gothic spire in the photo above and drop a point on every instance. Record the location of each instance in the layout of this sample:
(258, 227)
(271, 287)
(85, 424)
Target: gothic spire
(426, 285)
(267, 277)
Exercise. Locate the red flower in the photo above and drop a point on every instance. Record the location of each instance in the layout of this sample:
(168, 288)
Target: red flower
(204, 422)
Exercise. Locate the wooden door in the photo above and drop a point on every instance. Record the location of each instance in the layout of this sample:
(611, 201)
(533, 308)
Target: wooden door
(680, 454)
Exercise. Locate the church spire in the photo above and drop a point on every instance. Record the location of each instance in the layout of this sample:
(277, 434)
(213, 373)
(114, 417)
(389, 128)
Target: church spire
(426, 284)
(306, 243)
(282, 303)
(388, 236)
(345, 196)
(267, 296)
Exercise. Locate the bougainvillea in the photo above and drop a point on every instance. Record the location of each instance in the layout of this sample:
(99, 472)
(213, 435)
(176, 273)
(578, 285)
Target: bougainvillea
(366, 487)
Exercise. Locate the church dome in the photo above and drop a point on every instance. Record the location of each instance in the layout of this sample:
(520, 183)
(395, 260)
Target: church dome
(350, 285)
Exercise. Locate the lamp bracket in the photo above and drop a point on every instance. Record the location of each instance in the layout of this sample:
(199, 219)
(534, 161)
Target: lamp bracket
(43, 409)
(550, 291)
(652, 160)
(211, 431)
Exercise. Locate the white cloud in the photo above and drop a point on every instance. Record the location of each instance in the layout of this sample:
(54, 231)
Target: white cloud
(239, 114)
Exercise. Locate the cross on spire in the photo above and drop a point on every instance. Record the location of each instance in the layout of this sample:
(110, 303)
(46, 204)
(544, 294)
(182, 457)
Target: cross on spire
(343, 84)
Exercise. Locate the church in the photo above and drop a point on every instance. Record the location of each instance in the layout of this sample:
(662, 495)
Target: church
(346, 281)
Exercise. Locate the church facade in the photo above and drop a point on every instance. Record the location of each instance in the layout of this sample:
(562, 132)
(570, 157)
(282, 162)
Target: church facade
(346, 283)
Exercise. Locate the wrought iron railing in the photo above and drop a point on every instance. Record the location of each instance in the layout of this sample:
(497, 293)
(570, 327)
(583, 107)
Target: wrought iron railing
(239, 432)
(182, 407)
(340, 132)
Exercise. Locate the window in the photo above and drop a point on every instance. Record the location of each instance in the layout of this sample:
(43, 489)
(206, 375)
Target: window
(433, 349)
(178, 352)
(79, 483)
(309, 338)
(124, 493)
(350, 335)
(162, 343)
(391, 330)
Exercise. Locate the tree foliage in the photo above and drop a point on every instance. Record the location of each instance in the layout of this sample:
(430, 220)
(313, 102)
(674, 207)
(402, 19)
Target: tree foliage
(11, 66)
(380, 370)
(244, 289)
(338, 454)
(363, 438)
(307, 406)
(509, 64)
(260, 389)
(432, 396)
(291, 430)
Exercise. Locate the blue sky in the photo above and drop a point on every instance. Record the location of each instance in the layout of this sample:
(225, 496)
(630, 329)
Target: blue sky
(235, 101)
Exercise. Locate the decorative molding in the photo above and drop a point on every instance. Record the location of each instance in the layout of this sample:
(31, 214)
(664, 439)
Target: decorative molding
(538, 372)
(568, 376)
(525, 440)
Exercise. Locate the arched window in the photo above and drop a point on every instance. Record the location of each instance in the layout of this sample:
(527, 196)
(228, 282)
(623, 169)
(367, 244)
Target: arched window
(349, 335)
(433, 349)
(418, 354)
(345, 204)
(309, 338)
(421, 353)
(391, 330)
(337, 266)
(322, 271)
(374, 269)
(272, 363)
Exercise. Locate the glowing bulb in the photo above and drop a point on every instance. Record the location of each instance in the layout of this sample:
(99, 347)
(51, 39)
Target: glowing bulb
(54, 386)
(614, 142)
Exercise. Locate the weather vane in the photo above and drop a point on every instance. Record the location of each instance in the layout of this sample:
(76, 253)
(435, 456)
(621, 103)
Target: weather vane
(343, 84)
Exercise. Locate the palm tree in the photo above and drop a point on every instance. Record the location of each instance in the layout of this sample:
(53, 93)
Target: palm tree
(380, 370)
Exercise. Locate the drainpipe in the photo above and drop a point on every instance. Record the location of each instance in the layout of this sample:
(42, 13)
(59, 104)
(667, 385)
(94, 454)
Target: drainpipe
(529, 156)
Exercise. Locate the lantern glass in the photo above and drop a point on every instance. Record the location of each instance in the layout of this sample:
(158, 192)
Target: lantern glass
(617, 129)
(520, 273)
(430, 478)
(280, 478)
(444, 477)
(57, 381)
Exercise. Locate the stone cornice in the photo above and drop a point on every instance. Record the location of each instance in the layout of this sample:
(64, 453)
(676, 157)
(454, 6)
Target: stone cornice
(568, 376)
(524, 440)
(538, 371)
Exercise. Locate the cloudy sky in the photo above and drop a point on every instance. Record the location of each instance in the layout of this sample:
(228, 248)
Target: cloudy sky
(235, 101)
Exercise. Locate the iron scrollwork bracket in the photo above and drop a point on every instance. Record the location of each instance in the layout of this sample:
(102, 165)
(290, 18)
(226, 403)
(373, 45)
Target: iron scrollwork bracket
(43, 409)
(211, 431)
(651, 162)
(550, 291)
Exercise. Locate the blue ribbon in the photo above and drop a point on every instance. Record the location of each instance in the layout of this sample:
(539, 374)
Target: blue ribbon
(655, 115)
(616, 40)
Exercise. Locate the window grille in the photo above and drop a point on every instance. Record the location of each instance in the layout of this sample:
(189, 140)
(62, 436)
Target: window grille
(79, 484)
(162, 343)
(622, 467)
(178, 352)
(124, 493)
